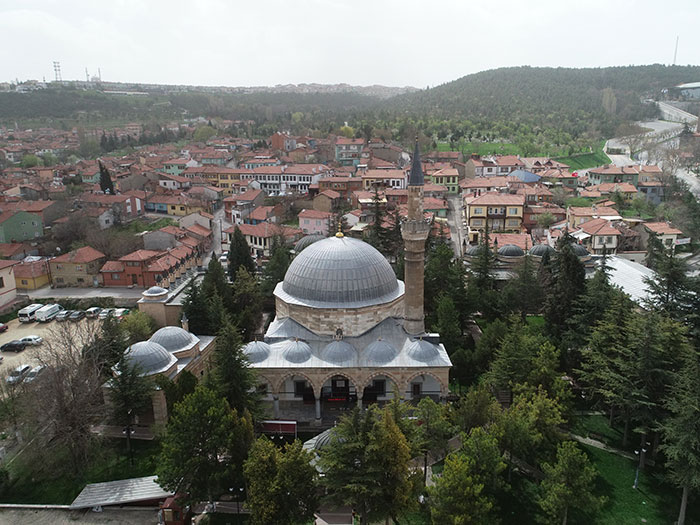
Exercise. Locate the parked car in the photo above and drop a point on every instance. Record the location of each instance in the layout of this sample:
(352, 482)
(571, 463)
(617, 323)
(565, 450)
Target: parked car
(77, 315)
(93, 313)
(48, 312)
(63, 315)
(107, 312)
(120, 313)
(3, 327)
(17, 375)
(13, 346)
(32, 340)
(34, 373)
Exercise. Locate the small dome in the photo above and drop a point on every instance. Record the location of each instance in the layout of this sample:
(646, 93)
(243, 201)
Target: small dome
(155, 291)
(511, 250)
(307, 241)
(473, 251)
(257, 351)
(174, 338)
(579, 250)
(296, 351)
(421, 350)
(538, 250)
(379, 352)
(150, 357)
(339, 353)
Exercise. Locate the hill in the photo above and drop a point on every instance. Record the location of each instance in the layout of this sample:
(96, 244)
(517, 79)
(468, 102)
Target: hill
(562, 98)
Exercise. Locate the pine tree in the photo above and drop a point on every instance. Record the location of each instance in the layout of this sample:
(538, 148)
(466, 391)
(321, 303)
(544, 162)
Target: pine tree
(195, 307)
(568, 483)
(276, 266)
(106, 185)
(239, 255)
(524, 293)
(247, 304)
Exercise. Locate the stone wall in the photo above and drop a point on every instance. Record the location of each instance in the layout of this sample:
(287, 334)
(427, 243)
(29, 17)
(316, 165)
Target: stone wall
(324, 321)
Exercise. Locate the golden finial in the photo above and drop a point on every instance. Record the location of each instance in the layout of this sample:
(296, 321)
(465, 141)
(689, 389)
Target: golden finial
(340, 230)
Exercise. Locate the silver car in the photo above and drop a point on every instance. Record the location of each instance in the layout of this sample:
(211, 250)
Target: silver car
(34, 373)
(32, 340)
(18, 374)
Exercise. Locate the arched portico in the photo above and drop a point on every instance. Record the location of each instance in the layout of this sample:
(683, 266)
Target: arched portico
(380, 387)
(297, 393)
(424, 384)
(339, 393)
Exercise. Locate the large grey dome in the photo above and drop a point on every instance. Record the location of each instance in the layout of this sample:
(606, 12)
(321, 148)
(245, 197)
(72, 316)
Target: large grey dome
(473, 251)
(339, 272)
(538, 250)
(174, 338)
(379, 352)
(150, 357)
(421, 350)
(511, 250)
(339, 353)
(296, 351)
(257, 351)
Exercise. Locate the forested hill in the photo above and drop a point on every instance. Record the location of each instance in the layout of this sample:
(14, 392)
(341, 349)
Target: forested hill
(547, 96)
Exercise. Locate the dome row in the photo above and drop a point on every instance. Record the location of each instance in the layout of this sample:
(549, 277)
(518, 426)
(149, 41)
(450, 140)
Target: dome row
(341, 353)
(157, 354)
(538, 250)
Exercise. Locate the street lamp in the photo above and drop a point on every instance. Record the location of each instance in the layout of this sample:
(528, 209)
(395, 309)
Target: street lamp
(639, 466)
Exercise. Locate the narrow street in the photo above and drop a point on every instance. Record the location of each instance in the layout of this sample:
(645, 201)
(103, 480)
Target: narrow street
(455, 217)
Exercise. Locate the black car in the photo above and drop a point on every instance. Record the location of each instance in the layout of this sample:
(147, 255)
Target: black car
(13, 346)
(77, 315)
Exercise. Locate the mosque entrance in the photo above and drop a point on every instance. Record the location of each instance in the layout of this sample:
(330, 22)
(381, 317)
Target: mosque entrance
(338, 394)
(380, 390)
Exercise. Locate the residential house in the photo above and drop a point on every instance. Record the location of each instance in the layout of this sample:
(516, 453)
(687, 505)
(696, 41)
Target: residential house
(497, 165)
(345, 186)
(447, 178)
(315, 222)
(238, 207)
(125, 206)
(8, 286)
(626, 190)
(559, 177)
(533, 213)
(79, 267)
(146, 268)
(665, 232)
(542, 164)
(282, 142)
(535, 194)
(178, 205)
(327, 200)
(612, 174)
(438, 207)
(260, 214)
(175, 166)
(499, 212)
(383, 179)
(481, 185)
(32, 273)
(15, 250)
(260, 236)
(201, 218)
(348, 152)
(173, 182)
(577, 215)
(20, 226)
(598, 236)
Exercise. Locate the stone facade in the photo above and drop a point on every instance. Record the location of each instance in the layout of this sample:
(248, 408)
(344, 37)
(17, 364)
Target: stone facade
(353, 321)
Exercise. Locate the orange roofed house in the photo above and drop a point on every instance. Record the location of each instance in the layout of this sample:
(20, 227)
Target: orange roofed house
(146, 268)
(79, 267)
(499, 212)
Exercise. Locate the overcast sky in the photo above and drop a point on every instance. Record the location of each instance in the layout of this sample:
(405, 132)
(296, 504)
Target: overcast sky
(361, 42)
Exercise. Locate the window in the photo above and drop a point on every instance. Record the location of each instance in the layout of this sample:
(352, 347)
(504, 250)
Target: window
(2, 282)
(608, 240)
(299, 388)
(477, 222)
(115, 276)
(59, 280)
(24, 281)
(478, 211)
(379, 386)
(81, 280)
(59, 267)
(512, 211)
(182, 208)
(78, 267)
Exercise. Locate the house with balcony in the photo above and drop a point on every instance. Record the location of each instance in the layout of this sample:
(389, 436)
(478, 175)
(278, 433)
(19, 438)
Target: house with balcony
(499, 212)
(348, 152)
(598, 236)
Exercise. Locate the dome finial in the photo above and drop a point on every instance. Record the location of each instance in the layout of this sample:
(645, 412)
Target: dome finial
(339, 234)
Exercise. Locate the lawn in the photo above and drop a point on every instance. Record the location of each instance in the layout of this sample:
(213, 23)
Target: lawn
(597, 427)
(582, 202)
(110, 463)
(654, 502)
(586, 160)
(139, 225)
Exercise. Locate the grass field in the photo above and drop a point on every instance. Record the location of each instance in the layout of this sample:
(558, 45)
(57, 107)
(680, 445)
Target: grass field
(110, 463)
(139, 225)
(586, 160)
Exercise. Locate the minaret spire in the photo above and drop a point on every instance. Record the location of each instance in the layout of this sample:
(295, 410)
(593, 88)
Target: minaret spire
(414, 231)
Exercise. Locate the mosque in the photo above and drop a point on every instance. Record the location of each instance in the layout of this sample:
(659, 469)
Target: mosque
(346, 331)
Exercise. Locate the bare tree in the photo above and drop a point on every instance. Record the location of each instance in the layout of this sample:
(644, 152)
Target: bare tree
(69, 394)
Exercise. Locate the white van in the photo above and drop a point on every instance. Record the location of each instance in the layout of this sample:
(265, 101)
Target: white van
(28, 313)
(48, 312)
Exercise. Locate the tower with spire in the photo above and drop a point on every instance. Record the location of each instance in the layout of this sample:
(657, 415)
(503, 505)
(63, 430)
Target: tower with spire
(414, 231)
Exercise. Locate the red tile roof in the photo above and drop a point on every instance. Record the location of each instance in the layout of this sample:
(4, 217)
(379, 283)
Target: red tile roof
(85, 254)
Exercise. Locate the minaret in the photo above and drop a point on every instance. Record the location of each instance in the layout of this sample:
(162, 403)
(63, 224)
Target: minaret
(414, 231)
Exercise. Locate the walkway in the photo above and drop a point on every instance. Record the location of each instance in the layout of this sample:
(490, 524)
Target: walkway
(602, 446)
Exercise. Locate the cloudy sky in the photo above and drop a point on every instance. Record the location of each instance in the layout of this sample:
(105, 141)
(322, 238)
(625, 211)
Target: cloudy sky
(391, 42)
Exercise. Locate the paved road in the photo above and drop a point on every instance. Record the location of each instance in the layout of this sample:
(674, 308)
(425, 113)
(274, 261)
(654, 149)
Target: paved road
(83, 293)
(454, 219)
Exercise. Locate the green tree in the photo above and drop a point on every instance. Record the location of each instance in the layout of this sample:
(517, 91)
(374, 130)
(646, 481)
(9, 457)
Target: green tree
(448, 325)
(195, 308)
(204, 446)
(216, 282)
(239, 255)
(524, 293)
(433, 432)
(30, 161)
(568, 484)
(276, 267)
(681, 430)
(138, 326)
(477, 408)
(106, 184)
(129, 394)
(481, 282)
(231, 374)
(670, 289)
(366, 465)
(281, 484)
(204, 133)
(247, 304)
(458, 497)
(110, 343)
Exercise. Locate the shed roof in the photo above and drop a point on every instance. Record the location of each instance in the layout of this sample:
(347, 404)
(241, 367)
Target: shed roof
(119, 492)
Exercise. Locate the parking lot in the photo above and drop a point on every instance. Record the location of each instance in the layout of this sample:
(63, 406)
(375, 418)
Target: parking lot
(17, 330)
